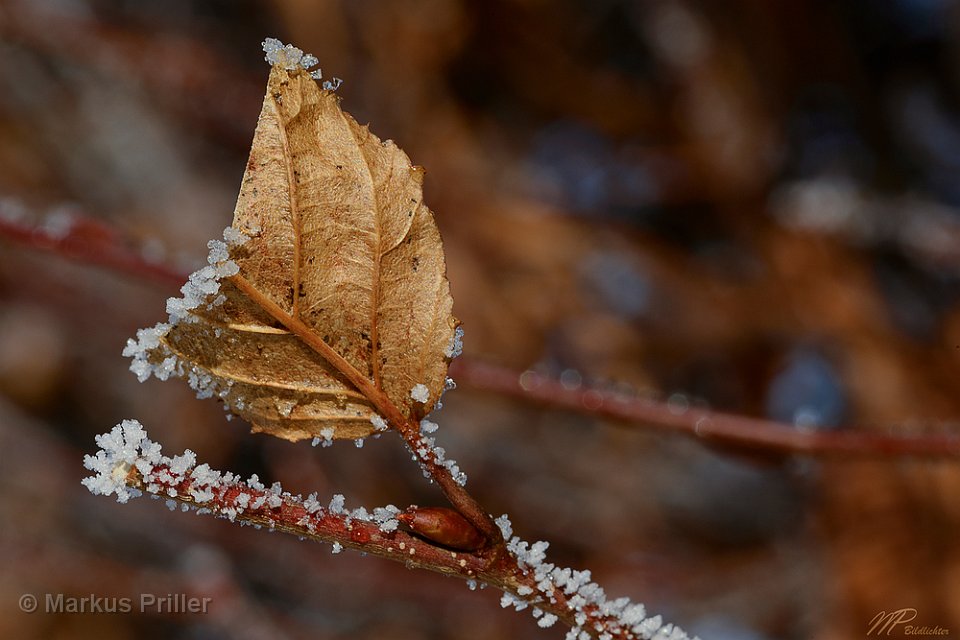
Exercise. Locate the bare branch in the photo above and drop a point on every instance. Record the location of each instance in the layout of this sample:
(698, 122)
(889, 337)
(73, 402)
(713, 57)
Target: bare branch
(709, 426)
(88, 240)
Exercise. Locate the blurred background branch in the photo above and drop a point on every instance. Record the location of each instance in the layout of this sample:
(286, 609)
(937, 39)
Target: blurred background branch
(85, 239)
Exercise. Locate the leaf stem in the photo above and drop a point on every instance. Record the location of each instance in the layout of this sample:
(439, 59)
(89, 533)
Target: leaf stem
(240, 502)
(465, 503)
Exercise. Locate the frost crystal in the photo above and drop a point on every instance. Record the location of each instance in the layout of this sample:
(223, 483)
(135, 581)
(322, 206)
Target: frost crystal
(378, 422)
(234, 237)
(218, 250)
(286, 55)
(290, 58)
(420, 393)
(336, 503)
(150, 356)
(285, 407)
(506, 528)
(386, 518)
(424, 450)
(329, 85)
(119, 451)
(147, 339)
(586, 600)
(325, 439)
(455, 346)
(312, 505)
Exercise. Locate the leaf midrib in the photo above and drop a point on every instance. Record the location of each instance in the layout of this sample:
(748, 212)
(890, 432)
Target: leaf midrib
(294, 209)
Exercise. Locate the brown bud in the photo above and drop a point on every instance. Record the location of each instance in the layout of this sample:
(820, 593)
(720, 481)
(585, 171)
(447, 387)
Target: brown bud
(443, 526)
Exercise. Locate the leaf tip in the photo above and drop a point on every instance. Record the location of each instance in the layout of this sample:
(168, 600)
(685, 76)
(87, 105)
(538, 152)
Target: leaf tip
(291, 58)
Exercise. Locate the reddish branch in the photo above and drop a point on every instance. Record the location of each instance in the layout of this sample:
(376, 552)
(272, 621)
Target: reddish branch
(710, 426)
(88, 240)
(106, 248)
(241, 502)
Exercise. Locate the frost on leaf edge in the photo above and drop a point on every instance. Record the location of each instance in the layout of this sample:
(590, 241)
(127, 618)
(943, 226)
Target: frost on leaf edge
(202, 289)
(291, 58)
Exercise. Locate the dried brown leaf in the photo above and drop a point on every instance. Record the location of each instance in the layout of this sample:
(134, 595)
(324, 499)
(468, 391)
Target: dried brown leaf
(341, 242)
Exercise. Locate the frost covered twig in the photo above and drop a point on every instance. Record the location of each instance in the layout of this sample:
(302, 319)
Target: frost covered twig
(129, 463)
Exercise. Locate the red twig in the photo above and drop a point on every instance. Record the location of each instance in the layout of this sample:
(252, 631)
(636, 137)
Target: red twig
(711, 426)
(88, 240)
(248, 503)
(91, 241)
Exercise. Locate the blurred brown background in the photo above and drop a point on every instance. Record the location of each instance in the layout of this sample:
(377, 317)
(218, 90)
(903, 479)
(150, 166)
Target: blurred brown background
(751, 203)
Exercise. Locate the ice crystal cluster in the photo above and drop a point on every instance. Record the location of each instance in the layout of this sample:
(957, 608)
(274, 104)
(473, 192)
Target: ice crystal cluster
(424, 446)
(585, 598)
(455, 348)
(325, 439)
(425, 450)
(202, 290)
(126, 449)
(420, 393)
(290, 58)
